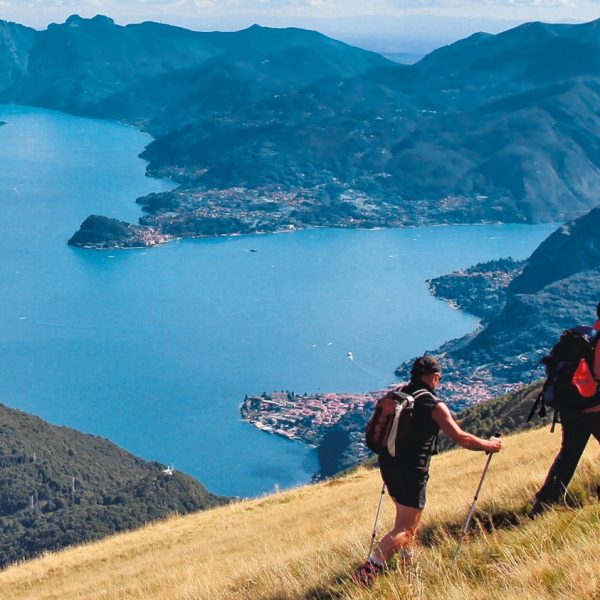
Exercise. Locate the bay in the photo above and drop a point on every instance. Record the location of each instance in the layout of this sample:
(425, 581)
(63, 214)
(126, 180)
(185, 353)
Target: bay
(155, 349)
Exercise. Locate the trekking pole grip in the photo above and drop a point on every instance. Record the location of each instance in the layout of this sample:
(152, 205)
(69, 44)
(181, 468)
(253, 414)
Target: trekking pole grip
(497, 434)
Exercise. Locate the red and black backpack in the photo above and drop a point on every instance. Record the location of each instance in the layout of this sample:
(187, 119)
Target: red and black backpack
(390, 421)
(570, 384)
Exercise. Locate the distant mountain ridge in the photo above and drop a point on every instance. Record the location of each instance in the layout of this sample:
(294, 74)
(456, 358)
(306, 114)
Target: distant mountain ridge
(269, 129)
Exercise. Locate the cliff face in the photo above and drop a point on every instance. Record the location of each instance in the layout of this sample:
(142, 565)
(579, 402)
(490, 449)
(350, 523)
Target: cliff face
(15, 45)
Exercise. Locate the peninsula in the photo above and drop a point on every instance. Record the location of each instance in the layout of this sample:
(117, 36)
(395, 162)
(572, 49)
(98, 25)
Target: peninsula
(104, 232)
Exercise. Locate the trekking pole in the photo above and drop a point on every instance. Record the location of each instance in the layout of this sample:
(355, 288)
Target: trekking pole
(472, 509)
(376, 521)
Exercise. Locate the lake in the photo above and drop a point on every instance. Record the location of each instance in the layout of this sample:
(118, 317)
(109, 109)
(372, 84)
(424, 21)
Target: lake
(155, 349)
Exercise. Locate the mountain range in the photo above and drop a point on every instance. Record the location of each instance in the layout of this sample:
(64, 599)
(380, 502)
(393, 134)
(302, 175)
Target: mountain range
(267, 129)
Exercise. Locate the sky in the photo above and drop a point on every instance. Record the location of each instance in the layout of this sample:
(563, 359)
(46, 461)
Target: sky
(385, 25)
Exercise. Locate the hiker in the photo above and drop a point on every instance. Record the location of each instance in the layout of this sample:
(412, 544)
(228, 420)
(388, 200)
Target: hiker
(577, 427)
(406, 474)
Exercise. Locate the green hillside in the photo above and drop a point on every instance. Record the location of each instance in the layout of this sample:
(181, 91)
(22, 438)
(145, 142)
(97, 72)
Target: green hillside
(60, 487)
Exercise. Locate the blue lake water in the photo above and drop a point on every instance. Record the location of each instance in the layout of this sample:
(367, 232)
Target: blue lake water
(155, 349)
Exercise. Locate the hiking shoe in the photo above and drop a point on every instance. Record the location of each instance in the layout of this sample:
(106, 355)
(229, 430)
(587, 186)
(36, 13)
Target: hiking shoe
(539, 508)
(366, 574)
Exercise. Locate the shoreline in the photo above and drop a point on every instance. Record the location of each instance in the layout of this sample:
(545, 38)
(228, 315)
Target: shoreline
(288, 230)
(310, 418)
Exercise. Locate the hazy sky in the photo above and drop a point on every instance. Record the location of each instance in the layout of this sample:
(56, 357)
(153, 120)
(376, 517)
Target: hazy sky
(391, 20)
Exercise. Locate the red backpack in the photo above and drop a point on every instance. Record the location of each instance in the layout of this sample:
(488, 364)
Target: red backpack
(390, 421)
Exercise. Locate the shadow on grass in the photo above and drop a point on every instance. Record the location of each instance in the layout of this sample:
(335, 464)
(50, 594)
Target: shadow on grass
(337, 590)
(436, 534)
(487, 520)
(322, 593)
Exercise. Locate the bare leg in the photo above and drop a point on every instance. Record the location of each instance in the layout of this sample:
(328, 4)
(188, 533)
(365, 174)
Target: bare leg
(402, 535)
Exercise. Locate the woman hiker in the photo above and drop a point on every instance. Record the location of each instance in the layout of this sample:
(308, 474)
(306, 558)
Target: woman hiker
(406, 474)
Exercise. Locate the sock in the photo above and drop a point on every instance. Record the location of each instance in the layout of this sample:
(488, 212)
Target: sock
(407, 555)
(375, 562)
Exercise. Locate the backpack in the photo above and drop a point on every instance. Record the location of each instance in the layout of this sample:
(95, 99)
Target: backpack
(569, 383)
(390, 421)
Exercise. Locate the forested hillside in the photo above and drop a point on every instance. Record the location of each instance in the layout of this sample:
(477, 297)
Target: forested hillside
(60, 487)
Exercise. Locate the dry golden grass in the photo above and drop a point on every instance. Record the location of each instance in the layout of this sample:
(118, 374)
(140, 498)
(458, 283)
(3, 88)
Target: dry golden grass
(304, 543)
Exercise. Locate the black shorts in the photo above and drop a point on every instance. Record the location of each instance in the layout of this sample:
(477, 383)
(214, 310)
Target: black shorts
(405, 485)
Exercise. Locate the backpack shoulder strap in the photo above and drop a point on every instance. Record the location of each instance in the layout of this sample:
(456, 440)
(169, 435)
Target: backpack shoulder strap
(418, 394)
(538, 403)
(423, 392)
(402, 396)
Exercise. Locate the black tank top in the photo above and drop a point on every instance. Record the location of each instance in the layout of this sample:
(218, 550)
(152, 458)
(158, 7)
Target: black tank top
(416, 449)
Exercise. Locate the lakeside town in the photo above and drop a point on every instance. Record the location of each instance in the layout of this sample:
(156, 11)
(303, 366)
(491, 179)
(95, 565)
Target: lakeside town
(307, 417)
(481, 289)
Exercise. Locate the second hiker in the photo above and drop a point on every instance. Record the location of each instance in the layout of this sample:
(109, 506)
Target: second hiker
(580, 419)
(406, 474)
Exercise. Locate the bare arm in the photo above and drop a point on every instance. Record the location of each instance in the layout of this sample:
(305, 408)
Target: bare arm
(443, 417)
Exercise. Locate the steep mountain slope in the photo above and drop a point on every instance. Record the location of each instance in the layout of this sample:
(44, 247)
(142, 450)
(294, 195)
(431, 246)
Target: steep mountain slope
(15, 46)
(557, 289)
(304, 543)
(572, 249)
(59, 487)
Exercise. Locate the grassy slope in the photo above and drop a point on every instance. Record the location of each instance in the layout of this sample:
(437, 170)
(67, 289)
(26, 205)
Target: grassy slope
(303, 543)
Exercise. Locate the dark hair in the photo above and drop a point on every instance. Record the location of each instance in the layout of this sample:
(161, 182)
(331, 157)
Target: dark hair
(598, 310)
(425, 365)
